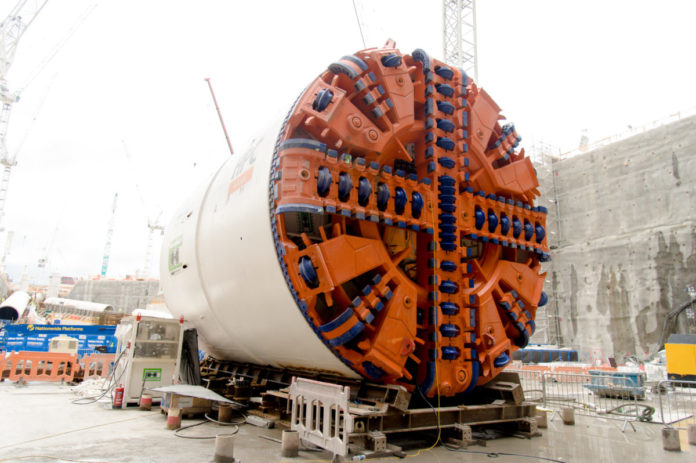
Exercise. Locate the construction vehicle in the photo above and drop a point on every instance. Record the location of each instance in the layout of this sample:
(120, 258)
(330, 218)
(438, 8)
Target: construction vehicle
(384, 230)
(680, 348)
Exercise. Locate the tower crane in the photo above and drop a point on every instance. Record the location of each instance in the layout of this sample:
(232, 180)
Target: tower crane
(12, 29)
(152, 226)
(459, 35)
(109, 234)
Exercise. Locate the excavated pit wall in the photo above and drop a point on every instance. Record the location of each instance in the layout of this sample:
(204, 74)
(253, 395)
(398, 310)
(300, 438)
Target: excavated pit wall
(626, 240)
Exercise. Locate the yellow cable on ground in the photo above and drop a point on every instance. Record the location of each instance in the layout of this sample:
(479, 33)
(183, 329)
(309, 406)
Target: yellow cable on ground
(437, 377)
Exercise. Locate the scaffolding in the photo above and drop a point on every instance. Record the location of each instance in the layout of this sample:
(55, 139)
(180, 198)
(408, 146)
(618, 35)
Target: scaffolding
(543, 157)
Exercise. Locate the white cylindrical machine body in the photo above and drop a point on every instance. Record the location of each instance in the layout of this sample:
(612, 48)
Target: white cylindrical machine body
(13, 307)
(220, 271)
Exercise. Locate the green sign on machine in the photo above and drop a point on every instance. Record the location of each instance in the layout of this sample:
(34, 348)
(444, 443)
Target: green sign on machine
(174, 256)
(152, 374)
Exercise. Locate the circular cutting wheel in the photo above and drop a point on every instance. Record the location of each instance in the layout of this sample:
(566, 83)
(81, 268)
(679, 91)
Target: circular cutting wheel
(404, 222)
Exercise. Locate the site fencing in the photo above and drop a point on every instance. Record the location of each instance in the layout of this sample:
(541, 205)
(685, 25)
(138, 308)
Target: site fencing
(53, 366)
(677, 403)
(40, 366)
(618, 396)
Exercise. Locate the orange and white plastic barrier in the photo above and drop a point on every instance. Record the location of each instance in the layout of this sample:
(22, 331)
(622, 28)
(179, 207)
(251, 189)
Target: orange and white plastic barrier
(97, 365)
(41, 366)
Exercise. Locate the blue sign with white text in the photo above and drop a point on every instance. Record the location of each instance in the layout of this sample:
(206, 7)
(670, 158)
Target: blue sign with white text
(37, 338)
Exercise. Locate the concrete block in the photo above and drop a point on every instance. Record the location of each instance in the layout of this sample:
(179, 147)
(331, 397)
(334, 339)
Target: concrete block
(691, 432)
(568, 415)
(224, 448)
(670, 439)
(290, 444)
(542, 419)
(173, 418)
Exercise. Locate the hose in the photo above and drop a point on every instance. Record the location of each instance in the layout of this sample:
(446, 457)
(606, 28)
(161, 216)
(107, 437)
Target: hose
(208, 419)
(646, 414)
(109, 386)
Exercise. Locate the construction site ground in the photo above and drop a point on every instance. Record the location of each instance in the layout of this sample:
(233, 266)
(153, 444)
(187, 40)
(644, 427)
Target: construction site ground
(39, 423)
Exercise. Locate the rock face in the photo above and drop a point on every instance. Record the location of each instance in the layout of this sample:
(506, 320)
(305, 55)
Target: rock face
(625, 240)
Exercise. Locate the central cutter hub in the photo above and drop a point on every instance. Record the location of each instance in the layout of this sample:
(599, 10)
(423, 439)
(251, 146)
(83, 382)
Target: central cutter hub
(404, 222)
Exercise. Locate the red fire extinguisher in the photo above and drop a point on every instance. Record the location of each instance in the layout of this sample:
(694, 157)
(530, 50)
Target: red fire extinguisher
(118, 396)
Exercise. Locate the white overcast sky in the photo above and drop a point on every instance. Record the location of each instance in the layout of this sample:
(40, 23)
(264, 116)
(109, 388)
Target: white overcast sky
(133, 73)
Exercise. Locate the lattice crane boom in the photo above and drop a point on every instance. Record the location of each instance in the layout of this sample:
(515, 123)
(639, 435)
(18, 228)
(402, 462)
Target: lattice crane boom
(12, 29)
(459, 35)
(152, 227)
(109, 235)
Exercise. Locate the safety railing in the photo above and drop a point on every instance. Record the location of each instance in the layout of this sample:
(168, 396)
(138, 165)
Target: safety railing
(611, 395)
(677, 403)
(598, 394)
(40, 366)
(532, 384)
(97, 365)
(320, 414)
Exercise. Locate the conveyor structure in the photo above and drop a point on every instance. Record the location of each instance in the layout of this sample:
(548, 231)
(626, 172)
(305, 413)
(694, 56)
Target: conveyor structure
(386, 229)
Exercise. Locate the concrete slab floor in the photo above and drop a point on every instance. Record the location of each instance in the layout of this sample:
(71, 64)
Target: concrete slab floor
(38, 423)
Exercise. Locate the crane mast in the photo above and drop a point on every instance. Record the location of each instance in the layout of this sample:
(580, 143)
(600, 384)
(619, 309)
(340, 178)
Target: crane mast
(152, 228)
(109, 234)
(11, 30)
(459, 35)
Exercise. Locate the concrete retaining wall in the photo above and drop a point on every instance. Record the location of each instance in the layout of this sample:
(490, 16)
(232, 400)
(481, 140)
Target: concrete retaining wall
(625, 240)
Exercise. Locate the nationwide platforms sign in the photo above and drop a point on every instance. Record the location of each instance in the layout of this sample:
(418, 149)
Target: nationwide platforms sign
(37, 338)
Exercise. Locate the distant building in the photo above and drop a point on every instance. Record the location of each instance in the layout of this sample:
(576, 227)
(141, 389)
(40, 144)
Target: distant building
(123, 295)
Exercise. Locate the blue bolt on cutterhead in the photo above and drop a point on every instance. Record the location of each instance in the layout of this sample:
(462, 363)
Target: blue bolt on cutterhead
(324, 181)
(445, 143)
(492, 221)
(449, 287)
(307, 272)
(540, 233)
(416, 204)
(391, 61)
(444, 89)
(400, 200)
(516, 227)
(450, 352)
(449, 308)
(445, 106)
(448, 266)
(480, 218)
(446, 180)
(502, 360)
(322, 100)
(364, 191)
(528, 230)
(447, 218)
(448, 237)
(448, 246)
(449, 330)
(445, 124)
(447, 207)
(504, 224)
(447, 199)
(383, 194)
(444, 72)
(448, 190)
